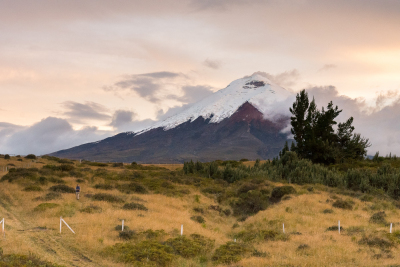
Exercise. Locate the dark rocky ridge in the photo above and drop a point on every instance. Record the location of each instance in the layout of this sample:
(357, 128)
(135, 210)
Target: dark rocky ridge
(246, 134)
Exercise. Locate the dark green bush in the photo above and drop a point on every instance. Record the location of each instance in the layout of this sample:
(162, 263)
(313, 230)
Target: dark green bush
(189, 248)
(343, 204)
(151, 252)
(127, 234)
(19, 160)
(327, 211)
(11, 260)
(379, 218)
(42, 180)
(246, 188)
(118, 164)
(249, 203)
(374, 241)
(280, 191)
(154, 234)
(230, 252)
(107, 197)
(119, 228)
(31, 188)
(52, 196)
(104, 186)
(56, 180)
(20, 173)
(303, 247)
(91, 209)
(134, 206)
(61, 188)
(6, 156)
(199, 210)
(334, 228)
(30, 156)
(198, 219)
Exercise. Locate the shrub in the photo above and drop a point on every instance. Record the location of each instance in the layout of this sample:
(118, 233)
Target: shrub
(327, 211)
(23, 260)
(118, 164)
(133, 188)
(249, 203)
(303, 247)
(104, 186)
(79, 181)
(246, 188)
(45, 206)
(33, 188)
(62, 189)
(376, 242)
(189, 248)
(334, 228)
(42, 180)
(30, 156)
(91, 209)
(19, 160)
(151, 252)
(199, 210)
(56, 180)
(343, 204)
(198, 219)
(280, 191)
(379, 218)
(107, 197)
(6, 156)
(153, 234)
(134, 206)
(127, 234)
(230, 252)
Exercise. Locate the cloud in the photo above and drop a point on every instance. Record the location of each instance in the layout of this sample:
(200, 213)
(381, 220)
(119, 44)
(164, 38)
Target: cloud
(327, 67)
(78, 112)
(49, 135)
(193, 94)
(284, 79)
(213, 64)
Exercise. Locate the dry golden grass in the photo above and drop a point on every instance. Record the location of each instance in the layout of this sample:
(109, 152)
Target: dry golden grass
(94, 232)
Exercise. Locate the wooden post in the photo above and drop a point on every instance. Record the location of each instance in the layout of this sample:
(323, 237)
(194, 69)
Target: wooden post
(390, 227)
(122, 225)
(283, 228)
(182, 229)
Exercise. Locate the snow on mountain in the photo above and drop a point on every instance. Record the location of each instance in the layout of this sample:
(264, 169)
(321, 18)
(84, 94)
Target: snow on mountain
(256, 89)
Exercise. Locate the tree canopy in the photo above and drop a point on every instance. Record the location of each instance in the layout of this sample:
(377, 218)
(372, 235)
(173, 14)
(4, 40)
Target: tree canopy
(316, 138)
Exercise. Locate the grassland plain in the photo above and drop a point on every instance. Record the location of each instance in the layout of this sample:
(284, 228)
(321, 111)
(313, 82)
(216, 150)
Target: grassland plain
(152, 236)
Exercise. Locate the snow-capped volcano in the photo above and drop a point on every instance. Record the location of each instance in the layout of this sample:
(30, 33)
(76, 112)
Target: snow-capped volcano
(255, 89)
(234, 123)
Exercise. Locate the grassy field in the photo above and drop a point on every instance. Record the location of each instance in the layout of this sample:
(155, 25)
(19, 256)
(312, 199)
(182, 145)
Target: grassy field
(164, 199)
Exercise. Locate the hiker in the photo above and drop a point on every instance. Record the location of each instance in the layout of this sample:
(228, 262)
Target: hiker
(77, 190)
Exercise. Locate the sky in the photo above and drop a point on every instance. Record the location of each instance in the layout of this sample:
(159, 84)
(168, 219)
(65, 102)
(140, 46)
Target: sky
(73, 71)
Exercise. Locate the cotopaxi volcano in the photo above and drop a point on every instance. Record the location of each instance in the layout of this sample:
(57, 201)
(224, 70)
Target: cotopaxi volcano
(239, 121)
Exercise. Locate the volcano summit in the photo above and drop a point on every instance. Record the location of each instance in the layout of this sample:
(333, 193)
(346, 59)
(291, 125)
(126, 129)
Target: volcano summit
(240, 121)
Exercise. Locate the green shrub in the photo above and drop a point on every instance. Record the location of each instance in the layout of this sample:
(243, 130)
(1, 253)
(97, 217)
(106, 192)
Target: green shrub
(104, 186)
(249, 203)
(154, 234)
(33, 188)
(151, 252)
(198, 219)
(134, 206)
(303, 247)
(230, 252)
(11, 260)
(379, 218)
(334, 228)
(326, 211)
(127, 234)
(118, 164)
(45, 206)
(52, 196)
(6, 156)
(374, 241)
(19, 160)
(189, 248)
(56, 180)
(343, 204)
(42, 180)
(133, 188)
(107, 197)
(30, 156)
(62, 189)
(199, 210)
(91, 209)
(246, 188)
(280, 191)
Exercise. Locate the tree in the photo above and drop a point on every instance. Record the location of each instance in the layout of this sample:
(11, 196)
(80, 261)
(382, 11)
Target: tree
(316, 138)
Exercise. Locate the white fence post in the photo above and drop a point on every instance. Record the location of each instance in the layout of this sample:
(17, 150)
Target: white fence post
(390, 227)
(283, 225)
(182, 229)
(122, 225)
(62, 220)
(3, 222)
(339, 227)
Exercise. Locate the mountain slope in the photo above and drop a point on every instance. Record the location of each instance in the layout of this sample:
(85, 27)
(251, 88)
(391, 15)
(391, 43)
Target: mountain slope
(240, 121)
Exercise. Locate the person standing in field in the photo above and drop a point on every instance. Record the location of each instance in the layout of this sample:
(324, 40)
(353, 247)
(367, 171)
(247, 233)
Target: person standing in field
(77, 190)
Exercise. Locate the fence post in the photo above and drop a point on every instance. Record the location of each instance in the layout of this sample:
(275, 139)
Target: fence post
(339, 227)
(4, 233)
(67, 225)
(390, 227)
(122, 225)
(181, 229)
(283, 225)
